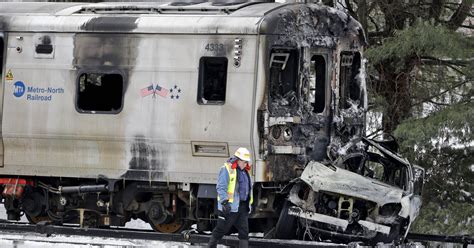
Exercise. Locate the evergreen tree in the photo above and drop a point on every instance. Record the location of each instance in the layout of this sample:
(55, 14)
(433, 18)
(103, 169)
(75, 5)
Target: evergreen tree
(421, 55)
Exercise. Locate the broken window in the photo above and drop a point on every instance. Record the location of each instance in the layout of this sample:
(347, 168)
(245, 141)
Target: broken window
(212, 80)
(100, 92)
(418, 177)
(317, 83)
(348, 84)
(374, 170)
(385, 170)
(376, 166)
(283, 73)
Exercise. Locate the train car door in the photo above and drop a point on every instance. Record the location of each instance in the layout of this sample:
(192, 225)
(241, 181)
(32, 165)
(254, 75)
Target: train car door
(2, 77)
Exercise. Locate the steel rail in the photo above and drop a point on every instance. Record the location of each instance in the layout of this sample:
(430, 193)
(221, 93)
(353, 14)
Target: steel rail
(194, 238)
(133, 234)
(461, 239)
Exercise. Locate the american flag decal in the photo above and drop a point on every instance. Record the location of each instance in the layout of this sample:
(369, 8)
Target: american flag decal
(147, 91)
(161, 91)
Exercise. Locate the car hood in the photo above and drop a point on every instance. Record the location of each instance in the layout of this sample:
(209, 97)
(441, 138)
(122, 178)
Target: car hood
(336, 180)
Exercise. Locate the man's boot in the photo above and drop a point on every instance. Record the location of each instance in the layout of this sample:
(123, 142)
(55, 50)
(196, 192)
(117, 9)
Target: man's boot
(212, 242)
(243, 244)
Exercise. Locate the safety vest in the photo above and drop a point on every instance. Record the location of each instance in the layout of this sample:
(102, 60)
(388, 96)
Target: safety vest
(232, 172)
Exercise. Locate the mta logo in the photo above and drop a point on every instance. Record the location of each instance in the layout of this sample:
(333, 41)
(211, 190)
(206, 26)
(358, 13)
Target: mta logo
(19, 89)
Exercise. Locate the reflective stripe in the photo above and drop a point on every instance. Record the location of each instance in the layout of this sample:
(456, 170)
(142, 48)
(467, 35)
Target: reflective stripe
(251, 194)
(232, 181)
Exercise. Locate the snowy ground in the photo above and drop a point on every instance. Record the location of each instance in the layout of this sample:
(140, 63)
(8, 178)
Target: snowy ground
(34, 240)
(56, 241)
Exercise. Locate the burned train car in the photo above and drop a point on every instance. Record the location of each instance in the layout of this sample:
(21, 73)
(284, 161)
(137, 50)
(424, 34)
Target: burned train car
(114, 111)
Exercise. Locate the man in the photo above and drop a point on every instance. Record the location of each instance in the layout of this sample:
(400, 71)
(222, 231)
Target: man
(234, 198)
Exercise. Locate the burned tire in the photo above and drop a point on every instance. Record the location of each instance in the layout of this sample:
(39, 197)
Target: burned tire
(286, 225)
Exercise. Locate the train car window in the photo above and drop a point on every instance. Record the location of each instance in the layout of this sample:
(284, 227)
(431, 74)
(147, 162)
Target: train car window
(1, 53)
(283, 72)
(212, 80)
(317, 83)
(100, 92)
(348, 84)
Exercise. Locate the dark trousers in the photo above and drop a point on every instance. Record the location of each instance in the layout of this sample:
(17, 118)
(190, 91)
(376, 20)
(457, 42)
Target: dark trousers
(225, 222)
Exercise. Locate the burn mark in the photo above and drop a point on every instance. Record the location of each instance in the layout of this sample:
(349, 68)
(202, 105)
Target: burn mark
(146, 161)
(105, 53)
(3, 24)
(111, 24)
(45, 45)
(283, 167)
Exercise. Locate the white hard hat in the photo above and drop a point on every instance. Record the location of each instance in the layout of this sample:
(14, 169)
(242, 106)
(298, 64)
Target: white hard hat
(243, 154)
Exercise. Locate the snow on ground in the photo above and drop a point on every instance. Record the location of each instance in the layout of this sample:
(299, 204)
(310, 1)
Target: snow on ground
(56, 241)
(35, 240)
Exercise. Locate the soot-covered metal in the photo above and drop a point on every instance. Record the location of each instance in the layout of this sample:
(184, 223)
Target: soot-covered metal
(104, 49)
(146, 161)
(110, 24)
(296, 132)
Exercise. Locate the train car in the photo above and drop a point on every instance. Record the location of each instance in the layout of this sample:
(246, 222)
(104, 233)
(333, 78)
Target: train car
(114, 111)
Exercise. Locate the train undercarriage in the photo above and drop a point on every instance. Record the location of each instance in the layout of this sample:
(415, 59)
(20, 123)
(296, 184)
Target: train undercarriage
(167, 207)
(98, 203)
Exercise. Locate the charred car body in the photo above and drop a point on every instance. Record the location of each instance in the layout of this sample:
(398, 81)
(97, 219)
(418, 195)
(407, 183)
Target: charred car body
(368, 194)
(115, 111)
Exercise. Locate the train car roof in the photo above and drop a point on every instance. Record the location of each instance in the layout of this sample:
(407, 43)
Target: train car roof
(156, 17)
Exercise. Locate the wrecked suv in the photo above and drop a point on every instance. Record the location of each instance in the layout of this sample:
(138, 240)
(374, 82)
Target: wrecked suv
(369, 194)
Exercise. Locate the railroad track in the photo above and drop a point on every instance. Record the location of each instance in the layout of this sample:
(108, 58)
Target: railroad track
(46, 229)
(133, 234)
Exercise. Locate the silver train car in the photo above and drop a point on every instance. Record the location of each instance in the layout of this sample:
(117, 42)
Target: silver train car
(114, 111)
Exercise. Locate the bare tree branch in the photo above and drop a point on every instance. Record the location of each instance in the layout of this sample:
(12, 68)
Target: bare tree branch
(428, 99)
(460, 14)
(428, 60)
(439, 103)
(377, 131)
(350, 9)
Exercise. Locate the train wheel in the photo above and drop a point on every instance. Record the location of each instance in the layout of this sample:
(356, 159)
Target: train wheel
(175, 226)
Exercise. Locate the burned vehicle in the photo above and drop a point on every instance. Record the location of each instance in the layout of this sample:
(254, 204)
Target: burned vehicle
(369, 194)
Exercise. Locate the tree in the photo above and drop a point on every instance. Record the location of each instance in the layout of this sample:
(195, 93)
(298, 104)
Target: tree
(421, 61)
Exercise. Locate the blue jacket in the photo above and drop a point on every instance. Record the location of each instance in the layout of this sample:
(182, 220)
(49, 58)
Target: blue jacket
(221, 187)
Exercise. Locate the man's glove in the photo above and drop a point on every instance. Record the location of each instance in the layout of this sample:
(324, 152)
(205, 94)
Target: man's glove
(226, 207)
